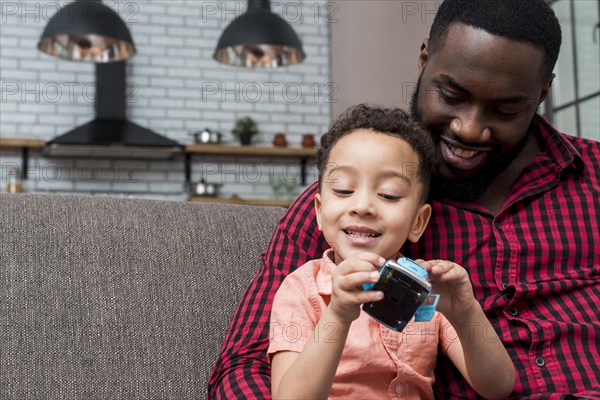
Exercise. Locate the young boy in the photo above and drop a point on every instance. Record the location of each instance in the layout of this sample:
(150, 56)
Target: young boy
(374, 173)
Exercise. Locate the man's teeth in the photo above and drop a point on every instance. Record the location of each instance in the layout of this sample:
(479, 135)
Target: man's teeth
(462, 152)
(362, 234)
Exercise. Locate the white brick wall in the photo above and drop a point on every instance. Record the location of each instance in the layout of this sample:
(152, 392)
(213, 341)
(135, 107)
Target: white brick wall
(179, 89)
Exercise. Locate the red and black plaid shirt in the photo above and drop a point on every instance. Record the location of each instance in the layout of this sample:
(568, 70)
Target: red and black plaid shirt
(535, 268)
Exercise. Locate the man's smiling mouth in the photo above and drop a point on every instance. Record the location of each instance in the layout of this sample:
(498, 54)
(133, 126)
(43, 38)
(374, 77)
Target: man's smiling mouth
(462, 152)
(463, 156)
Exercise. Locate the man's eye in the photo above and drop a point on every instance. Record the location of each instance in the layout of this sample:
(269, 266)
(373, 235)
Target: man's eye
(446, 97)
(507, 113)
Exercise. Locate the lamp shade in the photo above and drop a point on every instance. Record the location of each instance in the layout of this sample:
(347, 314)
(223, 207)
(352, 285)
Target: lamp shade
(87, 30)
(259, 38)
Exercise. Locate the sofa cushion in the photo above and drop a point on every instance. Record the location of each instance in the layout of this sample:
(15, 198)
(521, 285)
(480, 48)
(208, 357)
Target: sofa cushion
(106, 298)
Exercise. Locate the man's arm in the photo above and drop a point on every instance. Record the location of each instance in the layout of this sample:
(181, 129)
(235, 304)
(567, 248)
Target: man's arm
(242, 369)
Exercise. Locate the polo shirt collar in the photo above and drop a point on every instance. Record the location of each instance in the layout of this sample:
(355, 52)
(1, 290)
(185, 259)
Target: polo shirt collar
(323, 277)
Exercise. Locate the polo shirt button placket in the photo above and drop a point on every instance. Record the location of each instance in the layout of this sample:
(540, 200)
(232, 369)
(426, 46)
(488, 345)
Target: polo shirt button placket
(399, 389)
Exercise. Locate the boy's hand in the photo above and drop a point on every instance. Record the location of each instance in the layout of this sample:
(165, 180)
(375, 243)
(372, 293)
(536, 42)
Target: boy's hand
(348, 276)
(452, 283)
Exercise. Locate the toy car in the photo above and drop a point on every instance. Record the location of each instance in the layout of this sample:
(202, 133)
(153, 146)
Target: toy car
(406, 294)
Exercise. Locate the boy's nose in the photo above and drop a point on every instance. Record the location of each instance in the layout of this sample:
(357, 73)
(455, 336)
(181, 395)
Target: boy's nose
(362, 205)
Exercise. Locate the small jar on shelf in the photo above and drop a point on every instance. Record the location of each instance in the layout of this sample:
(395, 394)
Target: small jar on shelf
(13, 181)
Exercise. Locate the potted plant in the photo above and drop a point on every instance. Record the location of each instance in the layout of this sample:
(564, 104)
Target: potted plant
(244, 129)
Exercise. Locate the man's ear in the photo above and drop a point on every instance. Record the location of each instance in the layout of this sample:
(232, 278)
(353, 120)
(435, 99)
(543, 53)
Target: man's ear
(420, 223)
(318, 209)
(546, 89)
(423, 55)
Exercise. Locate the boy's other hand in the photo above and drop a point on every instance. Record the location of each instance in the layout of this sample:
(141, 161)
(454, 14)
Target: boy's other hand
(451, 281)
(347, 294)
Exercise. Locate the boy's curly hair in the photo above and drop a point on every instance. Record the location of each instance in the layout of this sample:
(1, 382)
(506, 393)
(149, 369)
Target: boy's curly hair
(390, 121)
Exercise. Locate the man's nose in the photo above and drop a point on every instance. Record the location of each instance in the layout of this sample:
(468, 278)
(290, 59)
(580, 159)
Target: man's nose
(471, 127)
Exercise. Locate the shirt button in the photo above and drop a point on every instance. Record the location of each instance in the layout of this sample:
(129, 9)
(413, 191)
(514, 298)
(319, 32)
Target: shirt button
(498, 225)
(513, 311)
(399, 389)
(504, 285)
(540, 362)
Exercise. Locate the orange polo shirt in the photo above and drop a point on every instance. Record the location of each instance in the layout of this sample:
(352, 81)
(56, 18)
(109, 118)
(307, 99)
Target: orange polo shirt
(377, 362)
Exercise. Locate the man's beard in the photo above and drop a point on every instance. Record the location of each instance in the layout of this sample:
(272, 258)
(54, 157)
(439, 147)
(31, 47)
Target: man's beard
(471, 188)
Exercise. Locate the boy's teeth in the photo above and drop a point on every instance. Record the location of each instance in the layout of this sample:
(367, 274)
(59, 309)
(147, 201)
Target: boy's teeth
(361, 234)
(462, 152)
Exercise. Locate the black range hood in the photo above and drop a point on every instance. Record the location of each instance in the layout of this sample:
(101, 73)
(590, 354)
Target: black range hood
(110, 134)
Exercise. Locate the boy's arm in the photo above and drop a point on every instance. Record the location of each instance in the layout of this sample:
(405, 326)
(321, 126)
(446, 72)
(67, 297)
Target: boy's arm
(310, 373)
(478, 354)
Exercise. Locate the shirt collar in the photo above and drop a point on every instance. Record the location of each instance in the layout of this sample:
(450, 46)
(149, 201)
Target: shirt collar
(326, 266)
(557, 145)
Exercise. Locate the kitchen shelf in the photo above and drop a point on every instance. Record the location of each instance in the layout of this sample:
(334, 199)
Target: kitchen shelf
(239, 200)
(24, 145)
(21, 143)
(303, 154)
(300, 153)
(260, 151)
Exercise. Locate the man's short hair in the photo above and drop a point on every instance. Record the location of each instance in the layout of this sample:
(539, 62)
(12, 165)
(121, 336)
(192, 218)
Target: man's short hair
(531, 21)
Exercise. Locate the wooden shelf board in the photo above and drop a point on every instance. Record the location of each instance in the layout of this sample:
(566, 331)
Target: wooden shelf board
(238, 200)
(251, 150)
(16, 143)
(193, 148)
(219, 149)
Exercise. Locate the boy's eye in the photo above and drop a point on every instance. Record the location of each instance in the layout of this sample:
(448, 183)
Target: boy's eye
(342, 192)
(390, 197)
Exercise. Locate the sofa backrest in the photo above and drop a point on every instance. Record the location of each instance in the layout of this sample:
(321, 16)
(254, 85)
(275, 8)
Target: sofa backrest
(113, 298)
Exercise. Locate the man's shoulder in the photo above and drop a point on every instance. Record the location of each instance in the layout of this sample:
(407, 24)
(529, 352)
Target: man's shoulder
(569, 147)
(583, 145)
(303, 205)
(550, 132)
(587, 151)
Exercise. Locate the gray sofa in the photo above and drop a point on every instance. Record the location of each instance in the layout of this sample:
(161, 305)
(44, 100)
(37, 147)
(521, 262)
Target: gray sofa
(106, 298)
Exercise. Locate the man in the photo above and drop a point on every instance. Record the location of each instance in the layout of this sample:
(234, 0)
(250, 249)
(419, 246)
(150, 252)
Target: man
(514, 201)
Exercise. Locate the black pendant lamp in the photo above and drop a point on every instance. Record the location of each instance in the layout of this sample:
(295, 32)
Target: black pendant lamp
(259, 38)
(87, 30)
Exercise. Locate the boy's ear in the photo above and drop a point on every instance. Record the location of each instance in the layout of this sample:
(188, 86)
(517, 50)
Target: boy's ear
(420, 223)
(318, 209)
